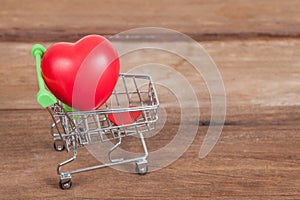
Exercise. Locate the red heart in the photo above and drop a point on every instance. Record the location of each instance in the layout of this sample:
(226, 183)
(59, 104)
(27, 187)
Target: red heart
(82, 74)
(124, 118)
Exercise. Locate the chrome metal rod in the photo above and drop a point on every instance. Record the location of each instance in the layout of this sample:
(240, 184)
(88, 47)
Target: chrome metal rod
(144, 145)
(60, 165)
(104, 165)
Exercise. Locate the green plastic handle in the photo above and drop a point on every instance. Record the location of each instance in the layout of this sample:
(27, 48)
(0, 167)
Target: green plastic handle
(43, 97)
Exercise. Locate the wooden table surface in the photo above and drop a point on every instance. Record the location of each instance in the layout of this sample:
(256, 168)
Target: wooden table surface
(256, 47)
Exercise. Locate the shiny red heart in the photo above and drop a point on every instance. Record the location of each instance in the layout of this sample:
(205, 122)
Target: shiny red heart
(82, 74)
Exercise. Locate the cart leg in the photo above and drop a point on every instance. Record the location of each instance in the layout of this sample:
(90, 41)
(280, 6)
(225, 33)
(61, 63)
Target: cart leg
(58, 143)
(65, 177)
(114, 148)
(144, 145)
(142, 164)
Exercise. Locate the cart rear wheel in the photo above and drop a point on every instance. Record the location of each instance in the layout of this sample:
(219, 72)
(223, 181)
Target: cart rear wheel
(141, 170)
(58, 146)
(65, 185)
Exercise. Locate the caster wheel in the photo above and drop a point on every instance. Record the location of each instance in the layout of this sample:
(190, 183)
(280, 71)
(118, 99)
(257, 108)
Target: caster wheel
(141, 170)
(65, 185)
(58, 147)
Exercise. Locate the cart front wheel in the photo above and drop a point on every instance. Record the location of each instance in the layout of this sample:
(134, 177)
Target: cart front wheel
(65, 185)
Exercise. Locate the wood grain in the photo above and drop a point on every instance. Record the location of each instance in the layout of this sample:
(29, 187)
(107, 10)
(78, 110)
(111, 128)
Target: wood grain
(255, 72)
(68, 20)
(256, 157)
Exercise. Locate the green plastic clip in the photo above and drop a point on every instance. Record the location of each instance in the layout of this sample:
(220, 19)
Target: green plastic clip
(43, 97)
(68, 108)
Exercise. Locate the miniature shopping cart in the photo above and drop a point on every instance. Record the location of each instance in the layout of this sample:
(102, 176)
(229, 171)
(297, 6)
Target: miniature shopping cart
(131, 110)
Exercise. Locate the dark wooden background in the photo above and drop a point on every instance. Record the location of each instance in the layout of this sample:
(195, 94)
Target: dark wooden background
(257, 49)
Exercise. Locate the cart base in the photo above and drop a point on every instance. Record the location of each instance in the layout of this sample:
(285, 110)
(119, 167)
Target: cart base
(141, 164)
